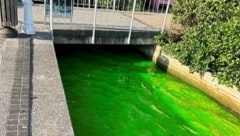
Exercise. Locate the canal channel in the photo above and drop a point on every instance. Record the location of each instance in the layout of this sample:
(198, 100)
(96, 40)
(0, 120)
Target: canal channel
(117, 91)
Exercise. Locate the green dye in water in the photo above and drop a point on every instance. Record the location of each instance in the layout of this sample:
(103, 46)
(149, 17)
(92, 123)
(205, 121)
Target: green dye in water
(117, 92)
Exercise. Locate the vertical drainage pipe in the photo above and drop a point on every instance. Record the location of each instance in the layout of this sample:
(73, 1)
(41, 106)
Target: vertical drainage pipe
(165, 16)
(28, 25)
(94, 22)
(131, 23)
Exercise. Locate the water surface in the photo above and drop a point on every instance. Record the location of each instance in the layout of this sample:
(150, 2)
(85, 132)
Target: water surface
(117, 92)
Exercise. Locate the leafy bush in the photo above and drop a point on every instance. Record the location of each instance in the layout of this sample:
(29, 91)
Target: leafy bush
(211, 39)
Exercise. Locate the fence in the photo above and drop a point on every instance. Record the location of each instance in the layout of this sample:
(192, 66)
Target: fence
(126, 5)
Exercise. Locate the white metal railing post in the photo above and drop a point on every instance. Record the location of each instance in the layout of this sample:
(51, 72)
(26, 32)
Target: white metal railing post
(44, 12)
(89, 3)
(51, 16)
(165, 16)
(72, 7)
(131, 23)
(162, 8)
(94, 22)
(114, 4)
(65, 8)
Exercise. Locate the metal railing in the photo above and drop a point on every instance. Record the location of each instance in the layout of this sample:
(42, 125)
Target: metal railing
(112, 14)
(126, 5)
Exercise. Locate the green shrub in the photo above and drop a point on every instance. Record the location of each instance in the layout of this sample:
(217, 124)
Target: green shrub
(211, 39)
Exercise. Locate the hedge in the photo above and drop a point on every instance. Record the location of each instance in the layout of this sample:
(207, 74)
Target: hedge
(209, 40)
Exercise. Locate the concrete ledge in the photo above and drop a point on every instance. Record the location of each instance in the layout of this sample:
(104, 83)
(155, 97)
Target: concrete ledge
(228, 97)
(50, 115)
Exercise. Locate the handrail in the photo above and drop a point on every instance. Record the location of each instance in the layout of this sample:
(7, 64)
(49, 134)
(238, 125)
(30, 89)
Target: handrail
(165, 16)
(51, 16)
(94, 22)
(131, 23)
(126, 5)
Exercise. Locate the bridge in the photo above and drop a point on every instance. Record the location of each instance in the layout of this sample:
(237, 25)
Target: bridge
(104, 21)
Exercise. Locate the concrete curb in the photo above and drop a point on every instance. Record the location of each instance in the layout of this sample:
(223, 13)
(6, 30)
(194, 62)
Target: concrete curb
(50, 115)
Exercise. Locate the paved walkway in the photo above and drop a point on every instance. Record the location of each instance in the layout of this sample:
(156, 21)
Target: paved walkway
(112, 19)
(32, 99)
(15, 86)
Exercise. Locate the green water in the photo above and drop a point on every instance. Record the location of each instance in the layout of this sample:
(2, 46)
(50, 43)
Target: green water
(117, 92)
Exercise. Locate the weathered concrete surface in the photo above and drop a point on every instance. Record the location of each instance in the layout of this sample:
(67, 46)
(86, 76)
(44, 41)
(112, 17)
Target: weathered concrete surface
(228, 97)
(104, 37)
(50, 114)
(18, 117)
(113, 19)
(8, 52)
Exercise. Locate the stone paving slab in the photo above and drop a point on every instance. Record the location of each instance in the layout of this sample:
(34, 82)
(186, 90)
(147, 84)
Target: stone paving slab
(8, 52)
(19, 92)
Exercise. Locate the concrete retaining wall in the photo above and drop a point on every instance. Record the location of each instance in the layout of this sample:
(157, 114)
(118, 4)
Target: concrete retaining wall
(103, 37)
(228, 97)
